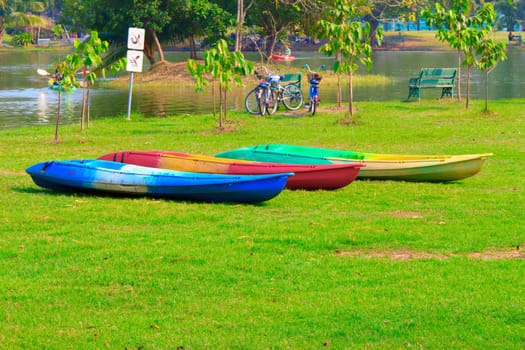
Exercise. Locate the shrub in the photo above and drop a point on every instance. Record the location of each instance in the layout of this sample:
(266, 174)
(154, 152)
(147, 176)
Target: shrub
(23, 39)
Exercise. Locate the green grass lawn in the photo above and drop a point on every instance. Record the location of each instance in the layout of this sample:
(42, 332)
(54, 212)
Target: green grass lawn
(382, 265)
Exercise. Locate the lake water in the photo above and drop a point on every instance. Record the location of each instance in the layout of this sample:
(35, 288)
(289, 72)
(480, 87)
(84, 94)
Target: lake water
(26, 100)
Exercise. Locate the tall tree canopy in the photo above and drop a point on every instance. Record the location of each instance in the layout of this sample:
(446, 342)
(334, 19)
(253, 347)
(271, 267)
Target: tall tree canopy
(163, 20)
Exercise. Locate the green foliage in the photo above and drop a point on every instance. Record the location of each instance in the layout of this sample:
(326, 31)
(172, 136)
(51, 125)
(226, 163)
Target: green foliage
(509, 13)
(348, 39)
(450, 23)
(23, 39)
(166, 19)
(224, 67)
(274, 20)
(66, 79)
(461, 30)
(489, 54)
(89, 56)
(57, 30)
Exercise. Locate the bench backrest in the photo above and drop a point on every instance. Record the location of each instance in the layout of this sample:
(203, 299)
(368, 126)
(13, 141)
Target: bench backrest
(295, 77)
(438, 73)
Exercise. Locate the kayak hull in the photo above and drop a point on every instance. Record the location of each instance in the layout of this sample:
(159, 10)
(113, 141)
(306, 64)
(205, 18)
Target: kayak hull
(306, 176)
(117, 178)
(418, 168)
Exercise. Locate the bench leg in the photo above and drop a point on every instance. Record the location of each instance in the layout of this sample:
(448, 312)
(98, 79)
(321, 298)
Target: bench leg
(446, 91)
(413, 91)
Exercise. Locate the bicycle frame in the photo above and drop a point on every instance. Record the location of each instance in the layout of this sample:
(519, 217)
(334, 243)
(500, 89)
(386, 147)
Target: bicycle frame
(269, 93)
(313, 92)
(263, 95)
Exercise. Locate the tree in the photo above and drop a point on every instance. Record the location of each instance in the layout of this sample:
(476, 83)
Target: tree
(398, 9)
(480, 27)
(335, 16)
(472, 37)
(112, 18)
(224, 67)
(451, 26)
(65, 71)
(163, 20)
(274, 19)
(88, 58)
(200, 19)
(241, 15)
(17, 14)
(490, 53)
(153, 16)
(508, 12)
(350, 40)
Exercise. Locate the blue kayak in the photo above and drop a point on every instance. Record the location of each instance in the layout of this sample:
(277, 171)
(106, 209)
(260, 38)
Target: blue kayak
(119, 178)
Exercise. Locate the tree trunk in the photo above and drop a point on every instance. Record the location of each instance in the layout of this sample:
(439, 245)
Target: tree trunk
(339, 91)
(225, 105)
(158, 45)
(220, 106)
(374, 24)
(459, 76)
(151, 44)
(149, 52)
(84, 104)
(273, 40)
(87, 108)
(486, 90)
(241, 15)
(339, 87)
(238, 30)
(468, 87)
(214, 98)
(350, 94)
(193, 48)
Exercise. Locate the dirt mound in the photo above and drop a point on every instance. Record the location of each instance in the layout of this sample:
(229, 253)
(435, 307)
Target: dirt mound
(164, 72)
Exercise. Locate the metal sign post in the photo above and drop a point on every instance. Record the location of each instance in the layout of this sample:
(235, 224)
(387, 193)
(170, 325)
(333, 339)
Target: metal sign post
(134, 58)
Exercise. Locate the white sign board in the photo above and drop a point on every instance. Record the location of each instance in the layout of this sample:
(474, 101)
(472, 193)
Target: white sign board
(136, 38)
(135, 59)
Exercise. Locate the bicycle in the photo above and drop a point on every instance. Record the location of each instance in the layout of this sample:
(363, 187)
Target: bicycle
(256, 100)
(266, 97)
(313, 92)
(290, 94)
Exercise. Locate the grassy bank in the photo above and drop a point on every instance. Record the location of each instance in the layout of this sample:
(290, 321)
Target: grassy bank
(383, 265)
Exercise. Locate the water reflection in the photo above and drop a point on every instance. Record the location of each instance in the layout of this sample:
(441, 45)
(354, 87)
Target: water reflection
(25, 99)
(42, 108)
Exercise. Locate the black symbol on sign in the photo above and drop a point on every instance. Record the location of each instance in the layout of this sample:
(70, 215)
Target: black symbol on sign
(135, 39)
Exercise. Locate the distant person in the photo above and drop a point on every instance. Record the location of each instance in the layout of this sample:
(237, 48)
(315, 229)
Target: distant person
(57, 77)
(511, 36)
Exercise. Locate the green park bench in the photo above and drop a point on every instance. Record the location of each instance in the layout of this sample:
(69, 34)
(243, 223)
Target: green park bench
(439, 78)
(292, 78)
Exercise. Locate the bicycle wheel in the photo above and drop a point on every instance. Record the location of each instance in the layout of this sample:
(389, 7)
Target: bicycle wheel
(273, 102)
(293, 97)
(261, 101)
(313, 106)
(251, 103)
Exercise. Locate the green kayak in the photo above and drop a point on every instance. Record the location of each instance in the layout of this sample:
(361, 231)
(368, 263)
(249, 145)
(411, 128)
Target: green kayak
(428, 168)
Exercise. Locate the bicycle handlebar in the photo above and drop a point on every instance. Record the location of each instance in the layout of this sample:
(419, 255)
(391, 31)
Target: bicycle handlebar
(321, 67)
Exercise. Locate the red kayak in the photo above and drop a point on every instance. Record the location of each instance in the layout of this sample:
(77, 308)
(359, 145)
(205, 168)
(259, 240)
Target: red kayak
(307, 176)
(276, 57)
